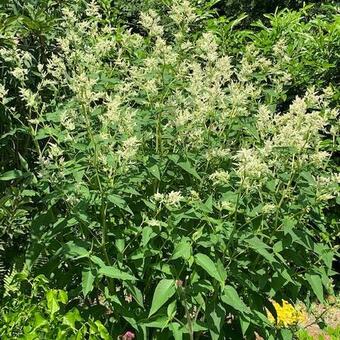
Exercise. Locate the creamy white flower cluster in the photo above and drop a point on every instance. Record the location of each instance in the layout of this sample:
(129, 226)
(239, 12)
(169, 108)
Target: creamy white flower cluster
(122, 96)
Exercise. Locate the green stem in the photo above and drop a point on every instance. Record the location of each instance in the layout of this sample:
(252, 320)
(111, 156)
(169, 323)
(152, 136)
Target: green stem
(104, 232)
(103, 209)
(235, 215)
(92, 139)
(189, 321)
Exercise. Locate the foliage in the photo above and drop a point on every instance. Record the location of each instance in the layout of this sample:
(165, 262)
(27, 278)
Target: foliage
(176, 187)
(32, 26)
(30, 310)
(307, 39)
(331, 333)
(255, 9)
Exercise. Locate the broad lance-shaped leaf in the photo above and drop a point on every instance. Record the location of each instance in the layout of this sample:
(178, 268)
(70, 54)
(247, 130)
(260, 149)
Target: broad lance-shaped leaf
(136, 293)
(160, 322)
(154, 170)
(185, 165)
(75, 251)
(244, 323)
(316, 284)
(119, 202)
(87, 279)
(164, 291)
(116, 273)
(9, 175)
(231, 298)
(215, 319)
(261, 248)
(209, 266)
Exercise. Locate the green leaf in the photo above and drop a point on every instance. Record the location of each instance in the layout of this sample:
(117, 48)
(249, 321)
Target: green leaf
(71, 317)
(176, 331)
(75, 251)
(104, 334)
(164, 291)
(10, 175)
(182, 249)
(87, 281)
(244, 323)
(185, 165)
(286, 334)
(136, 293)
(23, 162)
(271, 185)
(197, 326)
(221, 271)
(39, 321)
(119, 202)
(160, 322)
(120, 245)
(231, 298)
(261, 248)
(208, 265)
(146, 235)
(215, 319)
(97, 260)
(208, 205)
(62, 296)
(171, 310)
(316, 284)
(52, 301)
(307, 176)
(116, 273)
(230, 196)
(154, 171)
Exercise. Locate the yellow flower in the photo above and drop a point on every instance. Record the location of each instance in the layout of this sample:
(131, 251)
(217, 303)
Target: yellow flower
(287, 314)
